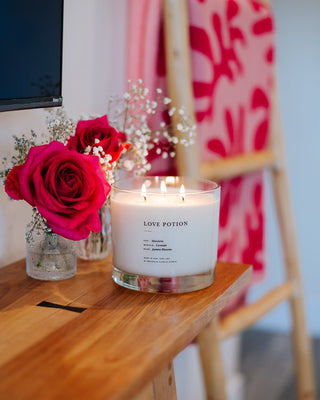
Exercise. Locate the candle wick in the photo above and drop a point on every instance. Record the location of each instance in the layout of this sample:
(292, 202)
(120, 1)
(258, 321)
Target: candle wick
(144, 192)
(182, 192)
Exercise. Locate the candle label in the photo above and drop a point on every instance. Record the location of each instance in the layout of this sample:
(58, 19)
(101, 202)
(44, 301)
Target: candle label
(164, 236)
(154, 251)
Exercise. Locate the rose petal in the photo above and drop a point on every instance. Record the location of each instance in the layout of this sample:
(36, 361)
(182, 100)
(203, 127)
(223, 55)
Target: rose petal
(12, 185)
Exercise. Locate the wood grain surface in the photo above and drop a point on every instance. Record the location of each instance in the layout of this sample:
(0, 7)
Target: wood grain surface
(111, 350)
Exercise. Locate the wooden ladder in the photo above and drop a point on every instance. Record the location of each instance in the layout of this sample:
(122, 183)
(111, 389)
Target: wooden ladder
(272, 158)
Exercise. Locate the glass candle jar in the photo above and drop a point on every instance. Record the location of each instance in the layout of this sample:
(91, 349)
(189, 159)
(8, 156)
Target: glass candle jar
(164, 233)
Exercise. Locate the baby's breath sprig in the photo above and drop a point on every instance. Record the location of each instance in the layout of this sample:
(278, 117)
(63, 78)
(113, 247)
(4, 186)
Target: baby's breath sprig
(22, 145)
(59, 125)
(145, 118)
(105, 160)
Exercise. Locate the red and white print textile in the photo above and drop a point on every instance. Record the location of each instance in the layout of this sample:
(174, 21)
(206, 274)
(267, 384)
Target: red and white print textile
(232, 50)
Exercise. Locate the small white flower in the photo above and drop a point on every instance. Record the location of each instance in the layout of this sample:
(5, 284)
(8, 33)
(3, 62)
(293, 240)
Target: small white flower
(158, 90)
(174, 140)
(158, 151)
(167, 100)
(128, 165)
(171, 111)
(164, 155)
(95, 151)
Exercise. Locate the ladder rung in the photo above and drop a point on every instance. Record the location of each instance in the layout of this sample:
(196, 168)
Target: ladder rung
(249, 314)
(232, 167)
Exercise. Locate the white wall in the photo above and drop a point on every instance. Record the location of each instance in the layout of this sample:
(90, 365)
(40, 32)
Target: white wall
(93, 69)
(94, 38)
(298, 38)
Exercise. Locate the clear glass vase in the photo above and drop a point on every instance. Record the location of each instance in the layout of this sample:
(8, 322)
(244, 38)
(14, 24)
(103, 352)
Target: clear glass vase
(98, 244)
(50, 257)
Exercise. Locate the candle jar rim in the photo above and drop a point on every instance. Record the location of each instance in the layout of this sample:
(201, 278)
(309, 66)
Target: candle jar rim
(200, 185)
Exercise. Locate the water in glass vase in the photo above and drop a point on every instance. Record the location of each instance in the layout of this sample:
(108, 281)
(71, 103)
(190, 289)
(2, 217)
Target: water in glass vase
(49, 256)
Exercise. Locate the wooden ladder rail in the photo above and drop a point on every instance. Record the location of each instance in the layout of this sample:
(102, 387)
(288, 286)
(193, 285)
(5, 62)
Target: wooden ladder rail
(273, 158)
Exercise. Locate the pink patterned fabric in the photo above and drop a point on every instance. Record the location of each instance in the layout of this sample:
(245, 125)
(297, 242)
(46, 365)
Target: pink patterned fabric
(232, 45)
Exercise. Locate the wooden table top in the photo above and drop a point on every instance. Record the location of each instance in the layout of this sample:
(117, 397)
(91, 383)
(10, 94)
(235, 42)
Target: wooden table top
(120, 341)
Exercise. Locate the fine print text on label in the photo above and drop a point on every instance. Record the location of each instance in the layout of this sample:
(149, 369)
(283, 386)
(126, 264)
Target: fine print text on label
(157, 251)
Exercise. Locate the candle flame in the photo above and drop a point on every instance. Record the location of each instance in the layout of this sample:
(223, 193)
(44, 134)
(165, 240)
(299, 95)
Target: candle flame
(163, 187)
(182, 192)
(144, 192)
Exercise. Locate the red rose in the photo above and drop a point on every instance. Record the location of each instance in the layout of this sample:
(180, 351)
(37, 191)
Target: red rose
(97, 132)
(67, 188)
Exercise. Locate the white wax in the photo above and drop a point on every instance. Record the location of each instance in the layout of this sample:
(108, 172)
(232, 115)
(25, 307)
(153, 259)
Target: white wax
(164, 236)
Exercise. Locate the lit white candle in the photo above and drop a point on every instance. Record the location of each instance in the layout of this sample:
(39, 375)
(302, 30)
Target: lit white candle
(165, 232)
